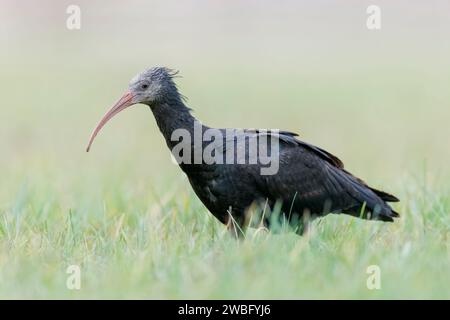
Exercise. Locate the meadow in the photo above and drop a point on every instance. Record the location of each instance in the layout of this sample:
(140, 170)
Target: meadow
(126, 215)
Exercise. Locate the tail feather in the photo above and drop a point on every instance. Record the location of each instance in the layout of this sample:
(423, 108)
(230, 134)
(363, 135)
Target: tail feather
(395, 214)
(372, 200)
(385, 196)
(384, 218)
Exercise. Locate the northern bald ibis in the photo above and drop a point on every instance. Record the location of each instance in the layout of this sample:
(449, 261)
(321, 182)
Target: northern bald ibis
(308, 181)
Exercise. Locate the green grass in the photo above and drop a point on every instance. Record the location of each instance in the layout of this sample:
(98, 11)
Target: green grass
(138, 245)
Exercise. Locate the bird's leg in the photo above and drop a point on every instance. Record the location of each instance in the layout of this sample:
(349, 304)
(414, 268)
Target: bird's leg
(236, 226)
(304, 227)
(255, 217)
(235, 230)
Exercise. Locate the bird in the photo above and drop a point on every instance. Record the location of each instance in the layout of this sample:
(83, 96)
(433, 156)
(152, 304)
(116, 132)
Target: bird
(308, 182)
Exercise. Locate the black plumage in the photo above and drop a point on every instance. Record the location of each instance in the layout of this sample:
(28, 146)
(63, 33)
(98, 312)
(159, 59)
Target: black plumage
(310, 181)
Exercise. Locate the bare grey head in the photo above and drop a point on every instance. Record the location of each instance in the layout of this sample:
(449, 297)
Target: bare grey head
(154, 87)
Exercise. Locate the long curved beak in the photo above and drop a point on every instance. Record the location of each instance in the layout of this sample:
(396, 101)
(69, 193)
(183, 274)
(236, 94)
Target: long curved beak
(124, 102)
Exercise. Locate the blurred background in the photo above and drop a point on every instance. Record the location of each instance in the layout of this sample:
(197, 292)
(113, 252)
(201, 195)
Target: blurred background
(378, 99)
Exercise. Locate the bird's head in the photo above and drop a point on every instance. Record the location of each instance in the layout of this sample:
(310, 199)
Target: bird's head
(152, 87)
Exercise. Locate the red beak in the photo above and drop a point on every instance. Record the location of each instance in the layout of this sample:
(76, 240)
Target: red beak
(122, 104)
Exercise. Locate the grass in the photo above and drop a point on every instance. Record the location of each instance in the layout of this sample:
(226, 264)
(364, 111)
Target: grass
(138, 244)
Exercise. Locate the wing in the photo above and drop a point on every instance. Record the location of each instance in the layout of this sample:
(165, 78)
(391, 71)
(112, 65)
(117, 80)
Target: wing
(312, 178)
(290, 138)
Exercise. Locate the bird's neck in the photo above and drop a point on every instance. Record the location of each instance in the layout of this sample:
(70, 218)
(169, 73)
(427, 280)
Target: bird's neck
(172, 116)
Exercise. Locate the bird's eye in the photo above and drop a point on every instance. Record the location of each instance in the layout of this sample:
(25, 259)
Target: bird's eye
(144, 86)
